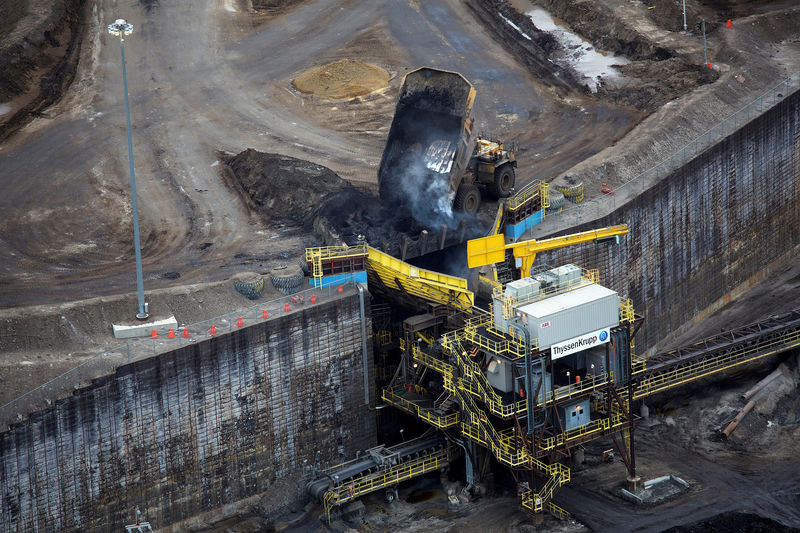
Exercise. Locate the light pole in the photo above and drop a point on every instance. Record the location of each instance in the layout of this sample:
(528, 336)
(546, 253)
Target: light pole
(684, 15)
(122, 27)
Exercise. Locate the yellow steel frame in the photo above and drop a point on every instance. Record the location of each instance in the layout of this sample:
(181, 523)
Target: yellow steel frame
(425, 284)
(476, 383)
(389, 477)
(526, 251)
(507, 447)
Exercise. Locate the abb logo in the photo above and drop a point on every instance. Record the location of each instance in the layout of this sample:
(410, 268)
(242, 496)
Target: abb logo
(544, 324)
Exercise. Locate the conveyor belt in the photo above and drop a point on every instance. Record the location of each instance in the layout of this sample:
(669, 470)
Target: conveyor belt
(387, 271)
(721, 352)
(380, 468)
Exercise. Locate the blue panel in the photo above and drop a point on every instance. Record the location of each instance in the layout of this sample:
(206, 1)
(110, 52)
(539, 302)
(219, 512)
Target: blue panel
(338, 279)
(515, 231)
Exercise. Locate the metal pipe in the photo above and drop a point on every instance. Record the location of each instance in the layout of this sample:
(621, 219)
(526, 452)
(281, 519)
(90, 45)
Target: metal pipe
(705, 54)
(735, 422)
(365, 353)
(531, 399)
(469, 470)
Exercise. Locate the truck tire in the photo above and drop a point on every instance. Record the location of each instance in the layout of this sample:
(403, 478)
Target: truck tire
(249, 284)
(504, 180)
(287, 279)
(468, 199)
(556, 200)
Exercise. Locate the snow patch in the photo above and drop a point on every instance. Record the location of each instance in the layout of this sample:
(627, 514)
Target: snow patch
(580, 54)
(515, 27)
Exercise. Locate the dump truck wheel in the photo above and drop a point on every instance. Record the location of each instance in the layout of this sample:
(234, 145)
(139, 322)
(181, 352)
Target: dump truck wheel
(468, 199)
(504, 180)
(287, 279)
(249, 284)
(556, 200)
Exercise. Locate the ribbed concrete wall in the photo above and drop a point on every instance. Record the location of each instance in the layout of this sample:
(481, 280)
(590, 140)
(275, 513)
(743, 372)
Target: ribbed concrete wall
(705, 229)
(196, 428)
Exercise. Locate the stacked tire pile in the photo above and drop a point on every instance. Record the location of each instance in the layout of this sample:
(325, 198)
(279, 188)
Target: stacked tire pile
(249, 284)
(288, 279)
(573, 193)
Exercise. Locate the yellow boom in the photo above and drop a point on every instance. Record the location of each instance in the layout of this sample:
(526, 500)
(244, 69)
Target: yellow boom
(492, 249)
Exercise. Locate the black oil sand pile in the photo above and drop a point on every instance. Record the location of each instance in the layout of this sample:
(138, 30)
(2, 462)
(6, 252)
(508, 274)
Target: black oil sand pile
(283, 189)
(734, 523)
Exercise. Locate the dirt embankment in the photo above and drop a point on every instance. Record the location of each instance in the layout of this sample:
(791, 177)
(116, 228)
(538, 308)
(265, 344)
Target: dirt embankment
(39, 48)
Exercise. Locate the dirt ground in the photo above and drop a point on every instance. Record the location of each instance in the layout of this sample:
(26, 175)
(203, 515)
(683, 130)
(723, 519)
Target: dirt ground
(203, 85)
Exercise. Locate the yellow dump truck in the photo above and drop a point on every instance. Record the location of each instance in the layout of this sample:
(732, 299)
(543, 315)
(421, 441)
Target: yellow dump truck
(433, 159)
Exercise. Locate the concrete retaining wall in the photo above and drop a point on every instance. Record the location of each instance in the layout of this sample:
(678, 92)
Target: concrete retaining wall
(707, 228)
(196, 428)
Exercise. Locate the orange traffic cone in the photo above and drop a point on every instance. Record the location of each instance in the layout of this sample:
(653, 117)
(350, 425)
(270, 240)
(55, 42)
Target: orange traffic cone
(154, 334)
(313, 299)
(339, 289)
(213, 330)
(186, 332)
(264, 314)
(240, 322)
(171, 333)
(729, 24)
(286, 307)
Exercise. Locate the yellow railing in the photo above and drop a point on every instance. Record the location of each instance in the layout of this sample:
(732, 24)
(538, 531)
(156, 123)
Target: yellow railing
(430, 361)
(383, 337)
(576, 388)
(626, 311)
(476, 383)
(317, 255)
(389, 477)
(390, 395)
(527, 193)
(514, 348)
(595, 427)
(712, 365)
(538, 501)
(556, 511)
(330, 252)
